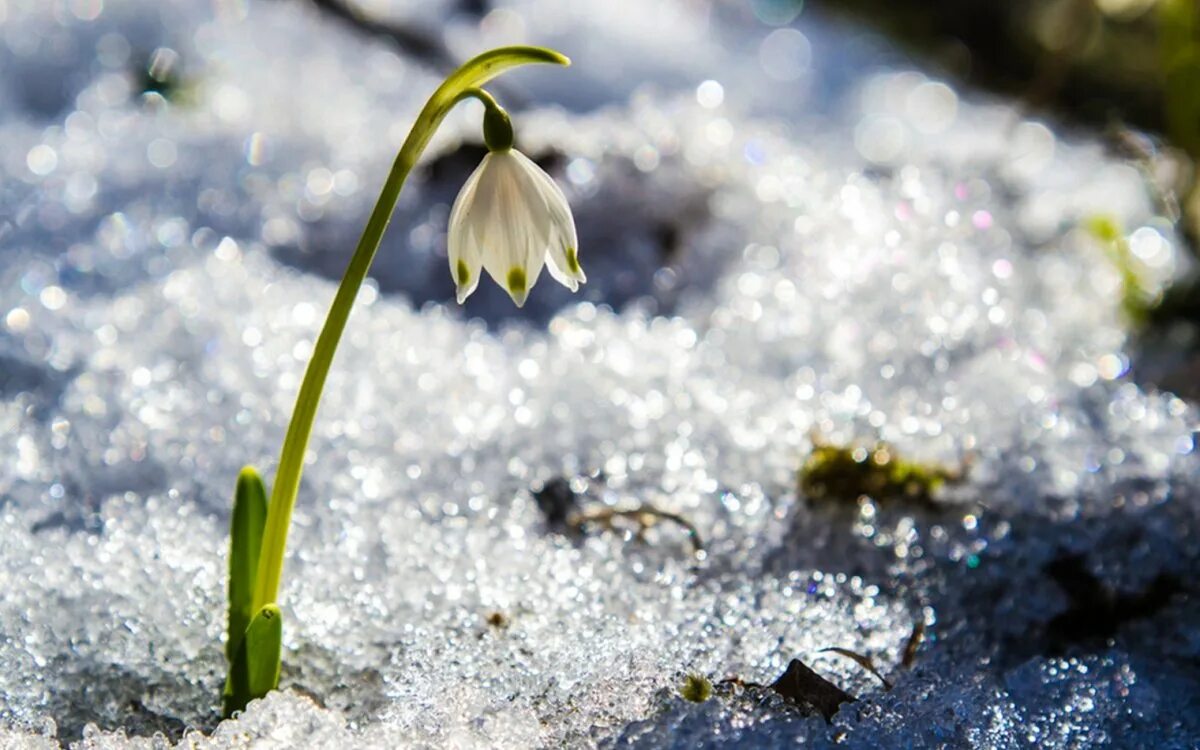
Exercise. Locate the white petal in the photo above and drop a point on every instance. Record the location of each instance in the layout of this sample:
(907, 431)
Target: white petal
(562, 251)
(462, 243)
(563, 264)
(515, 225)
(557, 264)
(556, 203)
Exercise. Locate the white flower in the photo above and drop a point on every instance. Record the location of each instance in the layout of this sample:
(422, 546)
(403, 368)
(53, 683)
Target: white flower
(510, 218)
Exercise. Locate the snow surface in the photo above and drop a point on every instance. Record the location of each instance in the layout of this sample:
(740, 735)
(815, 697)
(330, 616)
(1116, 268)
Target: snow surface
(839, 256)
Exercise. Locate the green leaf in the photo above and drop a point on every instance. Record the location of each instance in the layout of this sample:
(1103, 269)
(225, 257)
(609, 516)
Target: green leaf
(263, 641)
(254, 671)
(245, 543)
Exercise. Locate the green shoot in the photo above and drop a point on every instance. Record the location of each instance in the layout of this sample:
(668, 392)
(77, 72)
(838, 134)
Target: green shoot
(245, 542)
(259, 529)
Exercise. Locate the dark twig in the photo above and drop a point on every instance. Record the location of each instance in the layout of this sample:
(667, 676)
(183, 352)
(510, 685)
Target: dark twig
(914, 643)
(861, 660)
(426, 47)
(423, 46)
(646, 516)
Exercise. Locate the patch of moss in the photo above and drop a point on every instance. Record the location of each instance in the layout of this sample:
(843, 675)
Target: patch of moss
(696, 688)
(845, 473)
(1137, 301)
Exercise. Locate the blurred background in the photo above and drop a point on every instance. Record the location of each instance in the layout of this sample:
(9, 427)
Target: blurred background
(1128, 70)
(1125, 72)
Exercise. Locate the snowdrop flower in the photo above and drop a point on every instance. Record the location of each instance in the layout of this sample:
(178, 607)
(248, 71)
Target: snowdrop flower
(511, 219)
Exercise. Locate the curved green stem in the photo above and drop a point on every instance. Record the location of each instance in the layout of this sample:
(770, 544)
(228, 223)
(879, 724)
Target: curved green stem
(497, 128)
(486, 99)
(470, 76)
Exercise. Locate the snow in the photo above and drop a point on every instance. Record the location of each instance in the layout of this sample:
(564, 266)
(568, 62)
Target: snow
(898, 261)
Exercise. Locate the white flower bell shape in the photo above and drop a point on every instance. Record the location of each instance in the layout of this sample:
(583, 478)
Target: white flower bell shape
(511, 218)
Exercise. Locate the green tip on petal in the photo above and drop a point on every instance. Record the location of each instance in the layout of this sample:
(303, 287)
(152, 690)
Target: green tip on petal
(516, 280)
(572, 260)
(517, 284)
(463, 273)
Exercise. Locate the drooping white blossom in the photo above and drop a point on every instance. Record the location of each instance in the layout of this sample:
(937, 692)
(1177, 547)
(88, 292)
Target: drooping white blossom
(511, 218)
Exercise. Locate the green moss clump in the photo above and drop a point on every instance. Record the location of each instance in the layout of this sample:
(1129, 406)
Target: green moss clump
(1137, 301)
(696, 688)
(846, 473)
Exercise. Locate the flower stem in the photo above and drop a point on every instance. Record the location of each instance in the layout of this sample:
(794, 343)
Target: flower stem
(472, 74)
